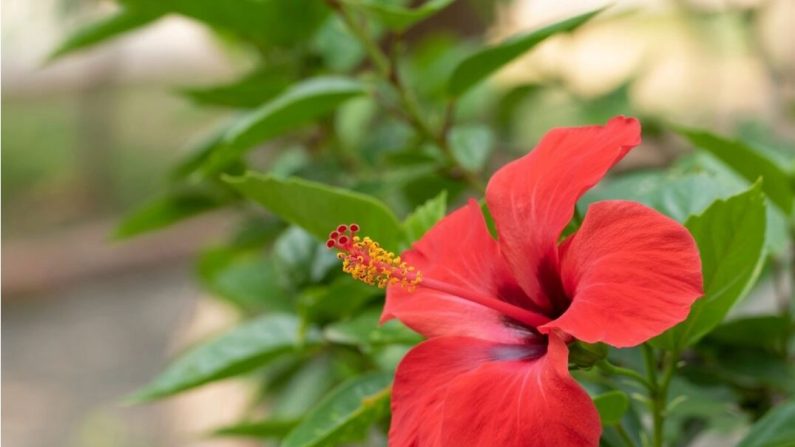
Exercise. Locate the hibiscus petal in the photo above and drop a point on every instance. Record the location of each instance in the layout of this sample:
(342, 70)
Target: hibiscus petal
(459, 250)
(423, 376)
(632, 273)
(532, 198)
(519, 404)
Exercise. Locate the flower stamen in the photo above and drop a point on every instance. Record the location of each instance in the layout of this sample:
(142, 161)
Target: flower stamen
(367, 261)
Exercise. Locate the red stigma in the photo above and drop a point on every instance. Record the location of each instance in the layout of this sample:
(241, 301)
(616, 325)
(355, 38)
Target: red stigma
(343, 240)
(330, 243)
(333, 235)
(342, 228)
(354, 228)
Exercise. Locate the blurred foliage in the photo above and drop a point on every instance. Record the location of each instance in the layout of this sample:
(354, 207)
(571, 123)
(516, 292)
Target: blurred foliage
(376, 112)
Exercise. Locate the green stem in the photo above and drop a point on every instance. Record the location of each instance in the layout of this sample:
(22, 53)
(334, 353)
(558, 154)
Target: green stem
(609, 368)
(622, 432)
(659, 394)
(388, 69)
(651, 363)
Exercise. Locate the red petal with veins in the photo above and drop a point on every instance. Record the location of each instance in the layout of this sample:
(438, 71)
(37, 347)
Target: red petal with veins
(532, 199)
(464, 392)
(458, 250)
(518, 404)
(632, 273)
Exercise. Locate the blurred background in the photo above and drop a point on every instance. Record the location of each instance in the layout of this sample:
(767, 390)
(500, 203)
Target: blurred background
(86, 320)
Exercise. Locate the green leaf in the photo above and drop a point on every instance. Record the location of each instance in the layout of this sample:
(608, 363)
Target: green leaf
(319, 208)
(767, 332)
(250, 91)
(122, 21)
(263, 22)
(425, 217)
(168, 209)
(748, 162)
(775, 429)
(611, 406)
(730, 235)
(268, 428)
(303, 389)
(340, 299)
(670, 193)
(345, 414)
(471, 146)
(301, 258)
(246, 278)
(299, 105)
(399, 17)
(244, 348)
(365, 331)
(483, 63)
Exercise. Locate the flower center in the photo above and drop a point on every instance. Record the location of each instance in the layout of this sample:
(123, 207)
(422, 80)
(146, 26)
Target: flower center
(367, 261)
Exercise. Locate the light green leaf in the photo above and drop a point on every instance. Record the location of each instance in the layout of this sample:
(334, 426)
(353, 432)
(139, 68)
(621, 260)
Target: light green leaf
(168, 209)
(267, 428)
(345, 414)
(611, 406)
(299, 105)
(251, 90)
(425, 217)
(246, 278)
(265, 22)
(247, 347)
(483, 63)
(668, 192)
(730, 235)
(319, 208)
(119, 23)
(365, 331)
(748, 162)
(338, 300)
(775, 429)
(471, 146)
(400, 17)
(303, 389)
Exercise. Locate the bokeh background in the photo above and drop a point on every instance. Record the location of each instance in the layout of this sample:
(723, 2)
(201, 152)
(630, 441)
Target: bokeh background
(86, 320)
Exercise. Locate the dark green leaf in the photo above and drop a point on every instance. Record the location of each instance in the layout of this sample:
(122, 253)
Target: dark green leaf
(345, 414)
(611, 406)
(400, 17)
(768, 332)
(319, 208)
(299, 105)
(268, 428)
(168, 209)
(248, 346)
(748, 162)
(730, 236)
(122, 21)
(425, 217)
(483, 63)
(471, 146)
(301, 259)
(776, 429)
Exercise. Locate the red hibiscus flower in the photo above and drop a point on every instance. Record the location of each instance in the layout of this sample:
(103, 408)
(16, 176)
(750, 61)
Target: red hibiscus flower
(498, 314)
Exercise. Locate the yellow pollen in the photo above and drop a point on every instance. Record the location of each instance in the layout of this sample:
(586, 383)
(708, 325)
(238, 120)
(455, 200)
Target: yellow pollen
(365, 260)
